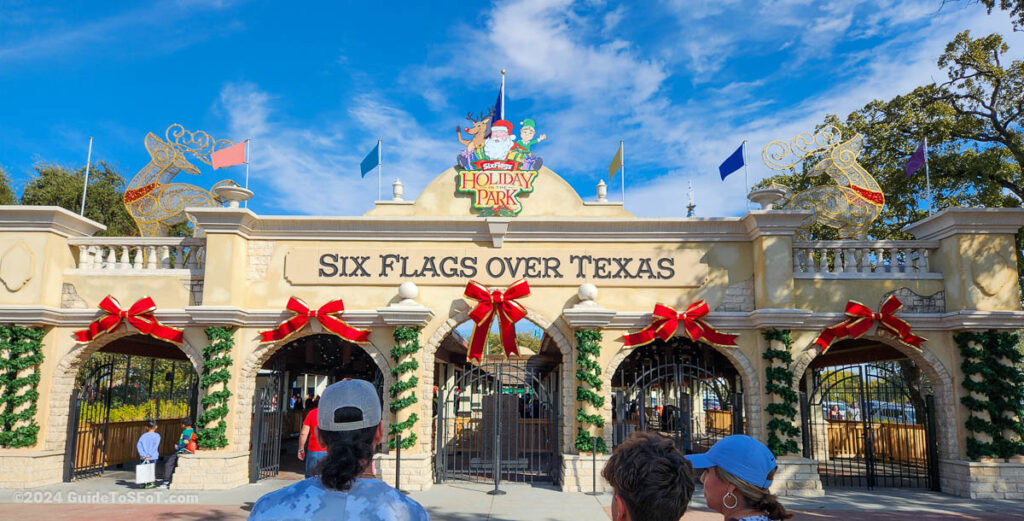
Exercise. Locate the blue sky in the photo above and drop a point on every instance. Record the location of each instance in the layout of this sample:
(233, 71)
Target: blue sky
(314, 84)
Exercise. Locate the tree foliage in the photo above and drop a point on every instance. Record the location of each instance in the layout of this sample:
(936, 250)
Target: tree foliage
(1015, 8)
(973, 125)
(55, 185)
(6, 193)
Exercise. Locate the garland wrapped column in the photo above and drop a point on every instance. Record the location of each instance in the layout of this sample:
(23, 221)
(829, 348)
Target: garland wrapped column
(995, 384)
(21, 353)
(782, 398)
(216, 361)
(589, 373)
(407, 343)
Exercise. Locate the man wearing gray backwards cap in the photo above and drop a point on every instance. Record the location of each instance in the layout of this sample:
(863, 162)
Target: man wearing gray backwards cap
(348, 422)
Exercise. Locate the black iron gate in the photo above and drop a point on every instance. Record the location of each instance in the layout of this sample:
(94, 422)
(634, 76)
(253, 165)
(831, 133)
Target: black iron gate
(679, 389)
(268, 406)
(113, 396)
(88, 423)
(499, 421)
(867, 426)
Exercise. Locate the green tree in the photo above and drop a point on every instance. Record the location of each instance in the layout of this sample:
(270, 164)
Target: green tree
(58, 186)
(1015, 8)
(523, 340)
(6, 193)
(973, 125)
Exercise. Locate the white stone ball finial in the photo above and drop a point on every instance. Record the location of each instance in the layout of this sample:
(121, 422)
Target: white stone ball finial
(587, 292)
(408, 291)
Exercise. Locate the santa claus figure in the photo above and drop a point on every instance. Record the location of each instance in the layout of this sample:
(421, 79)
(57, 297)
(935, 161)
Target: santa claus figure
(501, 144)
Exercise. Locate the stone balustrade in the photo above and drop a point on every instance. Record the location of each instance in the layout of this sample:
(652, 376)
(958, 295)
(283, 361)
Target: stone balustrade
(139, 254)
(864, 259)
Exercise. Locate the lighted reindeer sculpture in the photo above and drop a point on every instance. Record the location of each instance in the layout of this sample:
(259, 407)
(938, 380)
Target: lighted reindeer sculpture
(152, 199)
(849, 206)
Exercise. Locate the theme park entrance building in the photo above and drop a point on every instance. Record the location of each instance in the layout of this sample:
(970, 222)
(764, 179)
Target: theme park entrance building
(846, 357)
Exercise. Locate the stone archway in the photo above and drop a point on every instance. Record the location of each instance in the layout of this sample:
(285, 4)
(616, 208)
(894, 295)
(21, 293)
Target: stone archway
(246, 386)
(67, 370)
(748, 376)
(942, 385)
(558, 336)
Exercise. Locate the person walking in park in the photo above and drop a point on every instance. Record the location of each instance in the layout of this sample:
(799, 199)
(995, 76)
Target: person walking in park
(651, 480)
(186, 445)
(148, 446)
(315, 452)
(737, 472)
(349, 423)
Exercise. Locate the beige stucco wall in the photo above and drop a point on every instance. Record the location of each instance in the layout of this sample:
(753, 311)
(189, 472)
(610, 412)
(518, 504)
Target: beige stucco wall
(244, 281)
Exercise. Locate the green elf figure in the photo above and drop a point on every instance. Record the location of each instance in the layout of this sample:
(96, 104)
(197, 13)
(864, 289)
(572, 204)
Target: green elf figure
(527, 132)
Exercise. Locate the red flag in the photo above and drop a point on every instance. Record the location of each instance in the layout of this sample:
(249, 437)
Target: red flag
(230, 156)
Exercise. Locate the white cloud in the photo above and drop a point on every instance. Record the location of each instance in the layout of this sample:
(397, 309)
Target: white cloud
(289, 159)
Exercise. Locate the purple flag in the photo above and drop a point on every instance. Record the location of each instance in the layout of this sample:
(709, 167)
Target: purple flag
(917, 160)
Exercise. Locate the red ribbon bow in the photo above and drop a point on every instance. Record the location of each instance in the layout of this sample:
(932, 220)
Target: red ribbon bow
(139, 315)
(665, 322)
(862, 318)
(502, 304)
(327, 315)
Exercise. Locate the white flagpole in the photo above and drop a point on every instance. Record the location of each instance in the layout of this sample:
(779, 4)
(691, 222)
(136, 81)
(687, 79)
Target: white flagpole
(746, 182)
(380, 161)
(622, 175)
(927, 177)
(248, 143)
(502, 92)
(85, 189)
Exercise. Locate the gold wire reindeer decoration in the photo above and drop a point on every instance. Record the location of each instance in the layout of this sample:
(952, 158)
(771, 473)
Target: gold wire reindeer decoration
(152, 199)
(849, 206)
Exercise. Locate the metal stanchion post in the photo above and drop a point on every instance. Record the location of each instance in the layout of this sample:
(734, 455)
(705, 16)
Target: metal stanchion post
(398, 462)
(497, 439)
(593, 466)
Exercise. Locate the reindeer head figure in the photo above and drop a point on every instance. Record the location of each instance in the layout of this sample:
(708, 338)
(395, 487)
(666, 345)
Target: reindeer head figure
(481, 123)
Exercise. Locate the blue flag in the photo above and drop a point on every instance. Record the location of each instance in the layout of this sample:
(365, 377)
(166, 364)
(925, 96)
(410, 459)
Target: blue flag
(732, 163)
(499, 106)
(371, 161)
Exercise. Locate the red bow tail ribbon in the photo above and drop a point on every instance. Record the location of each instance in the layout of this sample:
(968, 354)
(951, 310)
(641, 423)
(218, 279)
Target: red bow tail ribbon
(665, 321)
(860, 320)
(328, 315)
(496, 303)
(139, 315)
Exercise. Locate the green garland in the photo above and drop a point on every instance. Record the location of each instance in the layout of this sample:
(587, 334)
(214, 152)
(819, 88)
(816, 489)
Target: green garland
(588, 344)
(21, 348)
(778, 384)
(995, 359)
(216, 361)
(407, 342)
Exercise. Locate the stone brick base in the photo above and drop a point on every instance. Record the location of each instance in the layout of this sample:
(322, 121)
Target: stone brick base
(797, 477)
(417, 470)
(213, 470)
(30, 468)
(578, 473)
(978, 480)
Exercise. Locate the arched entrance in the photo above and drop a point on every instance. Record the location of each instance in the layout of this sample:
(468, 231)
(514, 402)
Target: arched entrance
(118, 389)
(496, 419)
(288, 385)
(868, 418)
(681, 389)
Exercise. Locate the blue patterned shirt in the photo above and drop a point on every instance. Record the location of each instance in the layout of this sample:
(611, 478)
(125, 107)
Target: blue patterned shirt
(309, 499)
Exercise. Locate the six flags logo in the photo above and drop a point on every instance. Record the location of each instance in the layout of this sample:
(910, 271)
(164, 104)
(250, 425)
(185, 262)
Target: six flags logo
(498, 187)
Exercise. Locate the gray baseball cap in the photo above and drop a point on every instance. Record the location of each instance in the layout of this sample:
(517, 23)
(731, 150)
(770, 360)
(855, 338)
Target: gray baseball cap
(359, 394)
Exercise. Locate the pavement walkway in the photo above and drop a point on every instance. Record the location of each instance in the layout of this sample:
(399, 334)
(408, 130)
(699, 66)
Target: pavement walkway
(113, 498)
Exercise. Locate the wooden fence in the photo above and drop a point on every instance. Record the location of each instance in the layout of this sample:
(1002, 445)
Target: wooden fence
(890, 441)
(533, 435)
(719, 422)
(121, 440)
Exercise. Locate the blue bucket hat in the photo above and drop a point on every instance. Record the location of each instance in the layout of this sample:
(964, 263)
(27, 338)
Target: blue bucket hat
(739, 455)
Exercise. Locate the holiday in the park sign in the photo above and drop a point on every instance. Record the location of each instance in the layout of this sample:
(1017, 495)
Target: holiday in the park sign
(496, 167)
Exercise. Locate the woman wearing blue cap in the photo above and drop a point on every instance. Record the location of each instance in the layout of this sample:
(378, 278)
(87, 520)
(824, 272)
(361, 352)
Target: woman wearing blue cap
(737, 472)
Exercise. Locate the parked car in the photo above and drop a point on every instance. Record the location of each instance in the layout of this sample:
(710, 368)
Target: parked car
(894, 413)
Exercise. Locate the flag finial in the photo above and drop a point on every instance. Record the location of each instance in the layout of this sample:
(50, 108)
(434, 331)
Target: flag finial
(502, 72)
